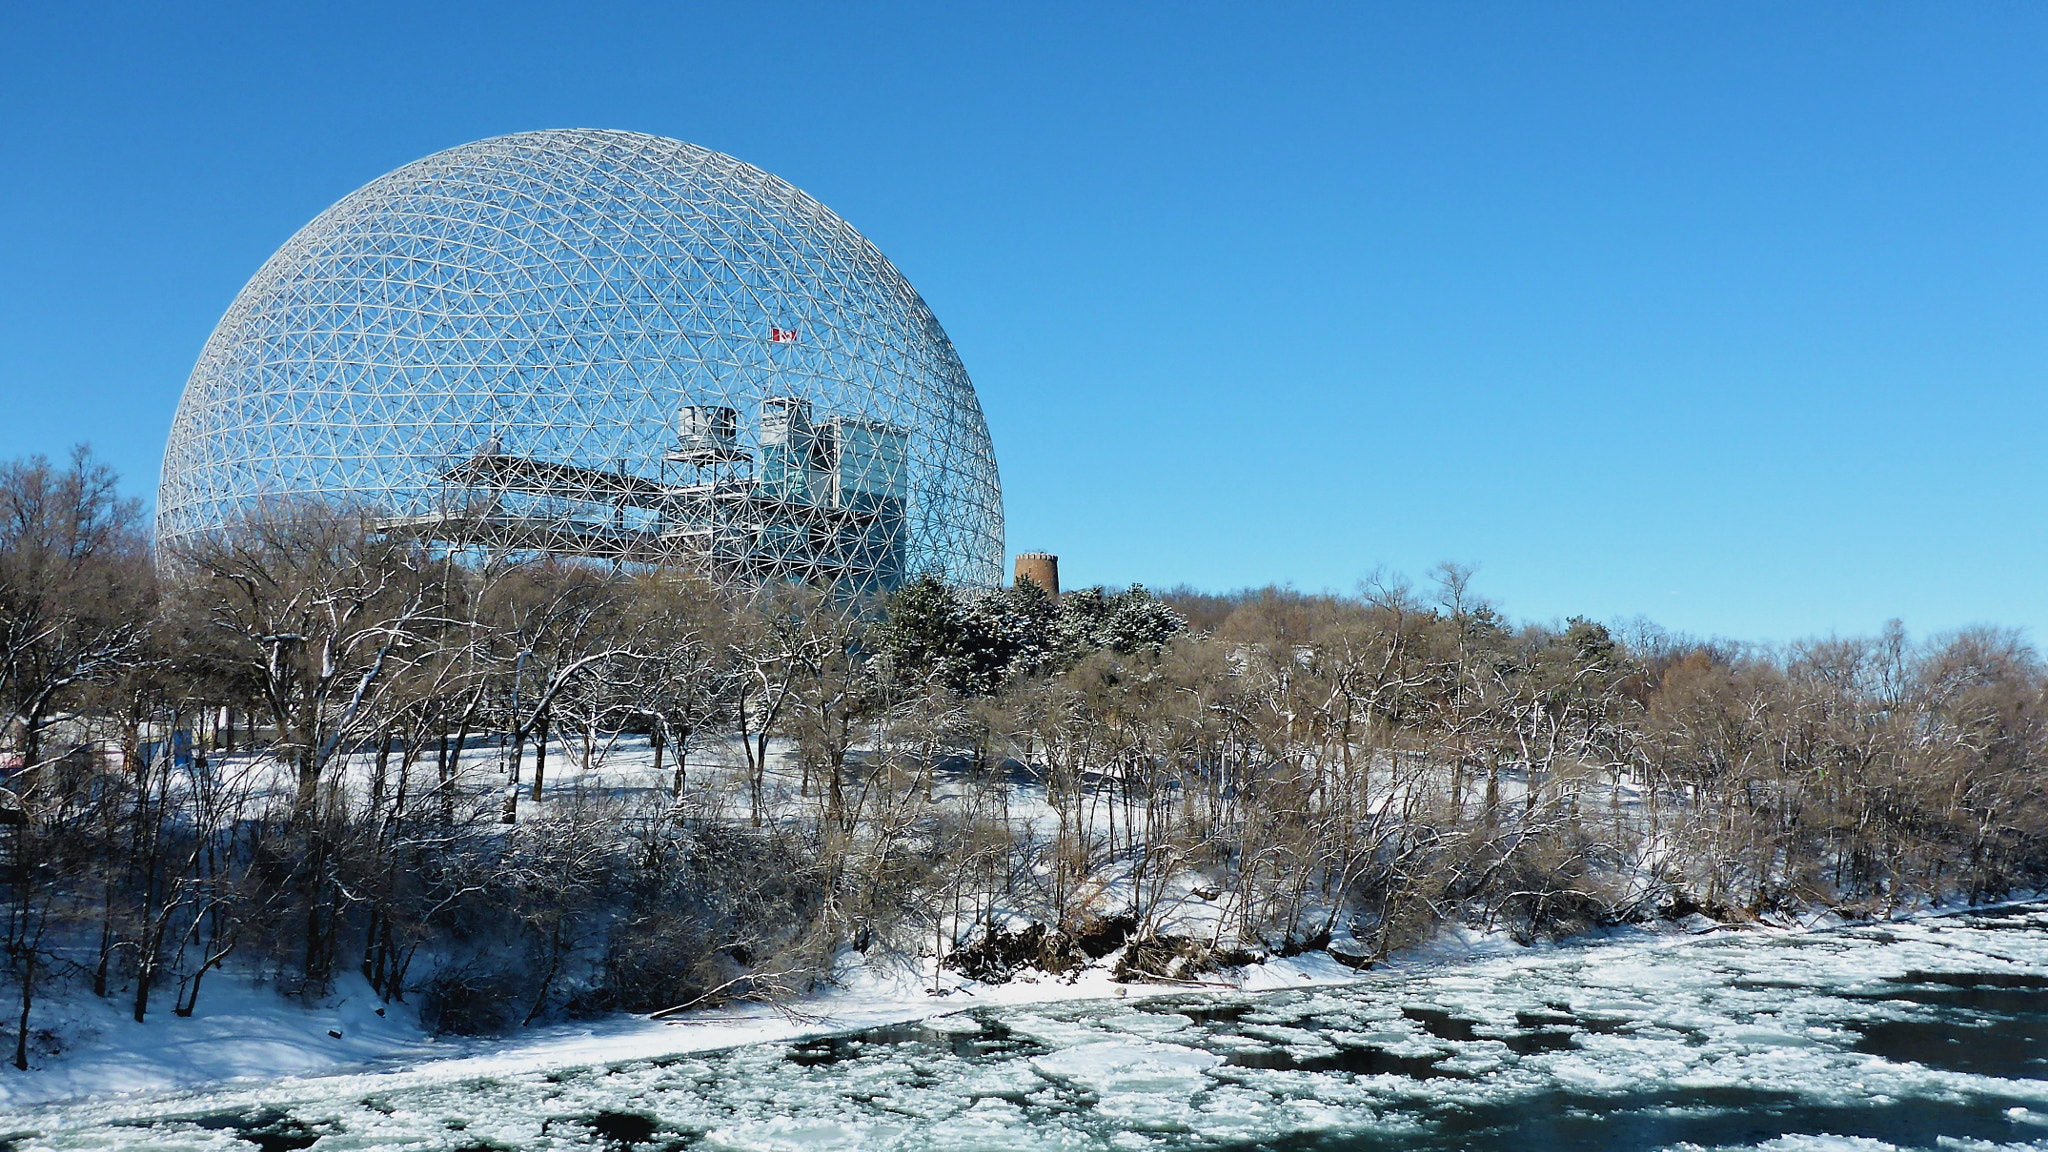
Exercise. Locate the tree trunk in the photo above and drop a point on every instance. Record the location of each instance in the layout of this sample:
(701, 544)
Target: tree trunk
(380, 776)
(308, 798)
(370, 947)
(145, 972)
(451, 766)
(540, 755)
(510, 815)
(758, 778)
(28, 983)
(99, 972)
(836, 782)
(441, 765)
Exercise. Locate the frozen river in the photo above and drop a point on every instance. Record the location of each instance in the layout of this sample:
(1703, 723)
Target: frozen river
(1928, 1034)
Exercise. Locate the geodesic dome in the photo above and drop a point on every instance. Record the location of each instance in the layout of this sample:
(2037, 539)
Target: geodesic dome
(597, 343)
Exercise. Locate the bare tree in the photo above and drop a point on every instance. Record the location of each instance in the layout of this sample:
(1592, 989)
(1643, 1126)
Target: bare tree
(76, 590)
(320, 615)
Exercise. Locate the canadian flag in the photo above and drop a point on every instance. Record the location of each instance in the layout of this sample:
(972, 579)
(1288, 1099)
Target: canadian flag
(782, 335)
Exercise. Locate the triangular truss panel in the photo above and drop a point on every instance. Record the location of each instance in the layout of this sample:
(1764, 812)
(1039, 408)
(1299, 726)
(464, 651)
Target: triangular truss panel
(600, 344)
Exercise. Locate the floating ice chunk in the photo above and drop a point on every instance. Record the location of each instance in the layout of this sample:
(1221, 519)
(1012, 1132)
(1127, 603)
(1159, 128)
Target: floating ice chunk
(1824, 1142)
(1283, 1035)
(1151, 1025)
(1472, 1064)
(1137, 1085)
(806, 1135)
(1054, 1032)
(1110, 1067)
(1765, 1038)
(960, 1025)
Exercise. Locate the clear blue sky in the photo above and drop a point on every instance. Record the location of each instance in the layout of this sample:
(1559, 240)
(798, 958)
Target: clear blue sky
(1728, 315)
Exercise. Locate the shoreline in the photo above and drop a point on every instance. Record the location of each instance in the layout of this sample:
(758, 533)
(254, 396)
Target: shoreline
(865, 999)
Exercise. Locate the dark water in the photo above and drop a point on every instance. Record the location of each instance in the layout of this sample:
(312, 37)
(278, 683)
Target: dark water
(1932, 1034)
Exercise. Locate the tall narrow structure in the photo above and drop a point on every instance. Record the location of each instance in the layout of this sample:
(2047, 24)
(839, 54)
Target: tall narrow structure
(1041, 568)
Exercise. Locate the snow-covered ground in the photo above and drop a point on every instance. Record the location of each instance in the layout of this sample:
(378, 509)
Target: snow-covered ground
(240, 1029)
(243, 1031)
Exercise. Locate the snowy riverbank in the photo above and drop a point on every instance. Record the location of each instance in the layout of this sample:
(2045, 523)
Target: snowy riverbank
(246, 1032)
(1913, 1034)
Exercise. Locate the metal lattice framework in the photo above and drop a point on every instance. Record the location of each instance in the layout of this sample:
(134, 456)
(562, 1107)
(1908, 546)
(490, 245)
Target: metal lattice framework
(602, 344)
